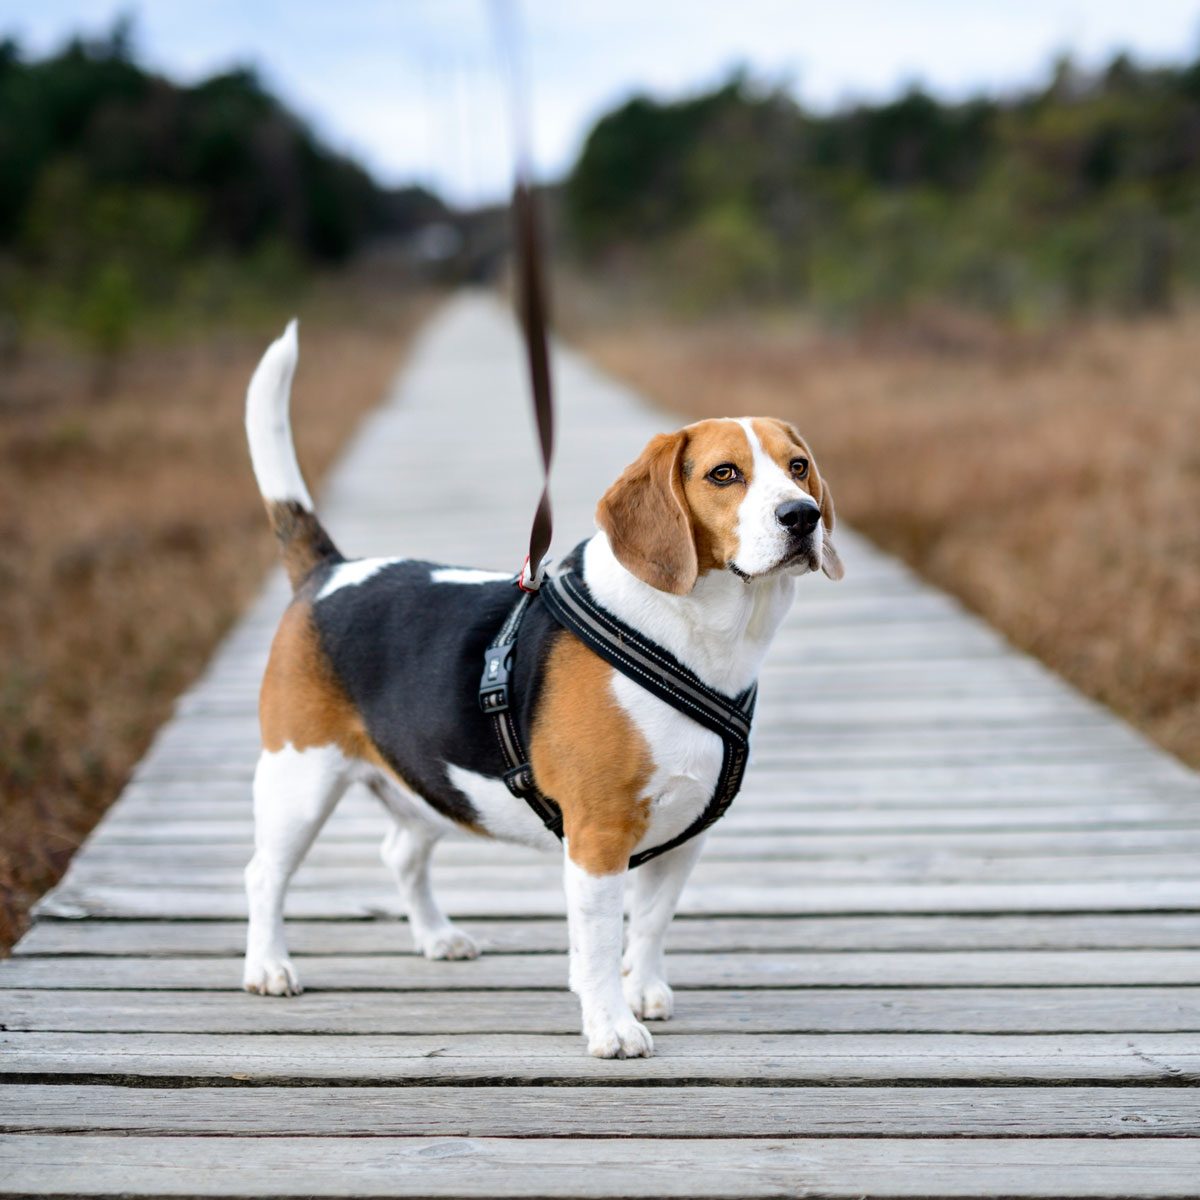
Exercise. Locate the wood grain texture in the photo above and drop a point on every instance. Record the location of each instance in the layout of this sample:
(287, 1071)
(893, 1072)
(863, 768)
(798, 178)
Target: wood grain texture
(681, 1058)
(710, 935)
(850, 1168)
(514, 1111)
(402, 972)
(839, 1010)
(123, 902)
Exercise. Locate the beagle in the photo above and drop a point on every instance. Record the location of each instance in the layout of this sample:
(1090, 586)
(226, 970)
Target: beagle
(373, 677)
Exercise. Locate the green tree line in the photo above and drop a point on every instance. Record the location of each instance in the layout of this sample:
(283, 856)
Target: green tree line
(1082, 195)
(123, 194)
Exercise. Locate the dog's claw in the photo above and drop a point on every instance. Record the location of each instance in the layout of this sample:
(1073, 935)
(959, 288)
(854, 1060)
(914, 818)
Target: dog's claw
(448, 944)
(650, 1000)
(624, 1038)
(275, 977)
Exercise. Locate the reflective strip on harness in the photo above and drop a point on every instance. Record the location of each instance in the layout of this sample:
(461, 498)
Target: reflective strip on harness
(570, 603)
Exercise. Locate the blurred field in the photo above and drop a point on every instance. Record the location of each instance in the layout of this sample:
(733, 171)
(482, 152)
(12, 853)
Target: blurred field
(1053, 483)
(131, 536)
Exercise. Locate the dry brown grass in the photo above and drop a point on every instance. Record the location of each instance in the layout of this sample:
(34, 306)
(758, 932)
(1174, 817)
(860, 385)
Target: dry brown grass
(1052, 484)
(131, 536)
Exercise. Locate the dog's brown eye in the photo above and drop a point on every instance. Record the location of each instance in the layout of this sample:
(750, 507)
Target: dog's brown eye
(800, 467)
(725, 473)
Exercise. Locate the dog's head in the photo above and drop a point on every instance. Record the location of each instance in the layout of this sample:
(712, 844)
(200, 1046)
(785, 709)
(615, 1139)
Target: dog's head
(723, 495)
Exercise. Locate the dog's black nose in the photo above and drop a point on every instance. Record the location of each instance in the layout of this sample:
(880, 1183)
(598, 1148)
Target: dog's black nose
(798, 517)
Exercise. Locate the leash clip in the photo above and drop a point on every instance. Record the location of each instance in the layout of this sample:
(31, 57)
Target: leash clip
(531, 583)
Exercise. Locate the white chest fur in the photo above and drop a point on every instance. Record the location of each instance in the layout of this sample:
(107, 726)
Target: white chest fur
(721, 631)
(686, 756)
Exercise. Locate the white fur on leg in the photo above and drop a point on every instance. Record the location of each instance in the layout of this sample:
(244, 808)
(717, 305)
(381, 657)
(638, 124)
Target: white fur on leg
(656, 889)
(405, 852)
(595, 919)
(294, 793)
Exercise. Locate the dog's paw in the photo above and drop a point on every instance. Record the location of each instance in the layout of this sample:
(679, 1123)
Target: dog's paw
(271, 977)
(625, 1037)
(448, 943)
(650, 999)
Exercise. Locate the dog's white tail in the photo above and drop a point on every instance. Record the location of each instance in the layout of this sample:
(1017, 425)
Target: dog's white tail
(269, 426)
(304, 542)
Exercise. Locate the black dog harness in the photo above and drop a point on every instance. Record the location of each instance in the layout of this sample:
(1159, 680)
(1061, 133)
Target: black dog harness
(570, 603)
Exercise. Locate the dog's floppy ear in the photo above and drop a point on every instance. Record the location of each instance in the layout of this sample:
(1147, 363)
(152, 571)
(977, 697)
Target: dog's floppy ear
(647, 519)
(831, 562)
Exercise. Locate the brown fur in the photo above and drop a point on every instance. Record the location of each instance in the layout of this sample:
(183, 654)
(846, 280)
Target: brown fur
(647, 519)
(301, 701)
(714, 510)
(590, 757)
(302, 538)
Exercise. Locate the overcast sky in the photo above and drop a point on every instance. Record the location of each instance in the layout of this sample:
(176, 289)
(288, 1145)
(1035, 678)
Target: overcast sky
(411, 87)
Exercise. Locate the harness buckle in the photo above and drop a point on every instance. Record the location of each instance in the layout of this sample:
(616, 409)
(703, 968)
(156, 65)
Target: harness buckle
(519, 780)
(493, 685)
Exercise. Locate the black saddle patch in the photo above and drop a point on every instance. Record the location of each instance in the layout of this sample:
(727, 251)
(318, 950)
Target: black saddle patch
(407, 651)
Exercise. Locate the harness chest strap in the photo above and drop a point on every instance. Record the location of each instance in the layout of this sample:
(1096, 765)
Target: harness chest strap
(571, 605)
(494, 699)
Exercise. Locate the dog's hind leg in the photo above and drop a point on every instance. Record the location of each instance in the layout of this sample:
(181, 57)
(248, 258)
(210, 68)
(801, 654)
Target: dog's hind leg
(406, 851)
(294, 793)
(656, 889)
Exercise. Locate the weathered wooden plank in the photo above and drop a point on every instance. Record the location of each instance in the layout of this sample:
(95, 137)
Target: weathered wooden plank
(68, 901)
(168, 833)
(859, 1168)
(845, 1010)
(501, 872)
(1112, 931)
(813, 969)
(767, 1058)
(731, 844)
(759, 812)
(513, 1111)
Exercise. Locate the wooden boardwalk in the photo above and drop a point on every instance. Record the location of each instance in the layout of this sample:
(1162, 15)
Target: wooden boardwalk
(945, 944)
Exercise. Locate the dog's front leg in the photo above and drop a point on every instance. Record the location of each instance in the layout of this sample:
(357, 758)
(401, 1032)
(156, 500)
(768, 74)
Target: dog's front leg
(656, 889)
(594, 914)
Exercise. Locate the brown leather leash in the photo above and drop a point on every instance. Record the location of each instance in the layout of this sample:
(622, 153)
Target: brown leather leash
(531, 296)
(532, 308)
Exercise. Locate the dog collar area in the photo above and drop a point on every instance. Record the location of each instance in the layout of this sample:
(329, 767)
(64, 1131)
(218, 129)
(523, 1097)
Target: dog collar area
(570, 603)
